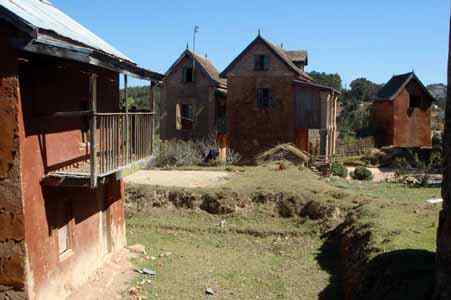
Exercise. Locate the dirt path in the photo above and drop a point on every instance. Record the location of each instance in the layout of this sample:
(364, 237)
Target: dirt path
(109, 282)
(185, 179)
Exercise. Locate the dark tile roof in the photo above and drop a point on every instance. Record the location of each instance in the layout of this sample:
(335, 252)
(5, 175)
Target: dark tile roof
(286, 58)
(206, 65)
(297, 56)
(278, 51)
(394, 86)
(209, 68)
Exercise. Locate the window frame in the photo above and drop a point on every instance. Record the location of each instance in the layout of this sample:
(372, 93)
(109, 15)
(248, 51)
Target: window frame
(261, 62)
(184, 121)
(188, 70)
(264, 98)
(67, 224)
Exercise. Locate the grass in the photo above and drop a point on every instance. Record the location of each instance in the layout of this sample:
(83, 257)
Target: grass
(402, 218)
(235, 266)
(259, 256)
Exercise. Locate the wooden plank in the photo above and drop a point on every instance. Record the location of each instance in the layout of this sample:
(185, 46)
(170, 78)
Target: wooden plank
(93, 103)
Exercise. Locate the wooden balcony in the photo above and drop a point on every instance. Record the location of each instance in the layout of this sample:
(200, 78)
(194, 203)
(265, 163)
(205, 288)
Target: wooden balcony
(117, 141)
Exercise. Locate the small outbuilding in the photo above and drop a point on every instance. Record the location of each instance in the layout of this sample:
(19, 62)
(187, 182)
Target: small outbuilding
(401, 113)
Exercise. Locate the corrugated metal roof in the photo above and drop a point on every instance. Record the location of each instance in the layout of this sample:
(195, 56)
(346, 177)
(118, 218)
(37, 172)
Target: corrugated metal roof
(43, 15)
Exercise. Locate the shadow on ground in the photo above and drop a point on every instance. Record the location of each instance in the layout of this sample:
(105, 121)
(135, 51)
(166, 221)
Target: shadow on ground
(397, 275)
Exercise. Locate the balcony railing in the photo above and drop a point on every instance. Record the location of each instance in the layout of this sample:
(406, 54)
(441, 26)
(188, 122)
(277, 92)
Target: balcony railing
(116, 140)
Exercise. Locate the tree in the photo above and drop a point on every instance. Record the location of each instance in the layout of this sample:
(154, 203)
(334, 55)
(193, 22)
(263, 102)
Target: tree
(363, 90)
(330, 80)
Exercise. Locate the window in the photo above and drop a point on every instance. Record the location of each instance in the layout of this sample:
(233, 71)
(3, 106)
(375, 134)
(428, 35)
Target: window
(261, 62)
(264, 99)
(188, 75)
(184, 116)
(65, 228)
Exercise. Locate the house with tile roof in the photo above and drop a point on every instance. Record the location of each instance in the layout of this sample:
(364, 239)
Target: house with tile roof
(401, 113)
(272, 100)
(193, 98)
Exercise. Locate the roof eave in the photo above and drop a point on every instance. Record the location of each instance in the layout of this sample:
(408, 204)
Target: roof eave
(316, 85)
(86, 55)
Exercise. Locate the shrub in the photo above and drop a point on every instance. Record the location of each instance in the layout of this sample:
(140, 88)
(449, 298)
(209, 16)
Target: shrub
(178, 153)
(339, 170)
(362, 173)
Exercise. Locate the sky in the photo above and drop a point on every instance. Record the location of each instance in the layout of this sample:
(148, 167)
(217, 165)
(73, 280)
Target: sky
(371, 39)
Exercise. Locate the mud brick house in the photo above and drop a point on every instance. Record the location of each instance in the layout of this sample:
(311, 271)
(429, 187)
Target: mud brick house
(272, 100)
(402, 113)
(193, 98)
(63, 143)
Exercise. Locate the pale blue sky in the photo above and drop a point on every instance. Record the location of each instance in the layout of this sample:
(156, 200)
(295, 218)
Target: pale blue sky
(372, 39)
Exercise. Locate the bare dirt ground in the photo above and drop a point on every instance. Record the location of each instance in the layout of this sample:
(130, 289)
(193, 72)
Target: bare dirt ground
(380, 174)
(184, 179)
(109, 282)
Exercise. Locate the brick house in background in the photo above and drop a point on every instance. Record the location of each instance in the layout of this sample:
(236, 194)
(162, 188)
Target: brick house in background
(193, 98)
(272, 100)
(63, 143)
(401, 113)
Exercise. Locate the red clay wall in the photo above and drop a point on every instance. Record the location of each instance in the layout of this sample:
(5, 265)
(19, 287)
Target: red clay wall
(411, 129)
(12, 245)
(55, 275)
(51, 86)
(383, 123)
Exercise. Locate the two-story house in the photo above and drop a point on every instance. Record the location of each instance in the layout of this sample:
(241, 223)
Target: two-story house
(272, 100)
(63, 143)
(193, 98)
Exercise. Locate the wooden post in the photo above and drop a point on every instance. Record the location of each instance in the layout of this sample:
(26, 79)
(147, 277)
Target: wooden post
(126, 120)
(152, 117)
(93, 129)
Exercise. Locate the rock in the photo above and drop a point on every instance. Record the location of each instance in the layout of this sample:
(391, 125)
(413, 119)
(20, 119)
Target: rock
(133, 291)
(138, 248)
(209, 291)
(165, 254)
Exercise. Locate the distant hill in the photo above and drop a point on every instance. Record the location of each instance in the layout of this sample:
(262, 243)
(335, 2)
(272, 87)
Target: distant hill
(439, 91)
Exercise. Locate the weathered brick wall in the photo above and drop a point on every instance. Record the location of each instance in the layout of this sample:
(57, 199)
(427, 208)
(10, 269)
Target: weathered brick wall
(252, 129)
(411, 129)
(12, 247)
(199, 93)
(382, 117)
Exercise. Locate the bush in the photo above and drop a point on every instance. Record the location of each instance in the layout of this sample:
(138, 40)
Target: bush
(178, 153)
(362, 173)
(339, 170)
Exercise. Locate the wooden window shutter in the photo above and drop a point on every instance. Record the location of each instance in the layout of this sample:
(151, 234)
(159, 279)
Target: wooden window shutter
(178, 117)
